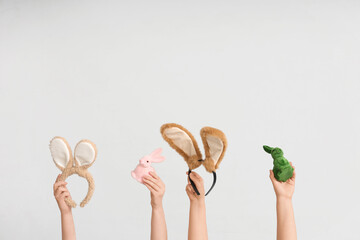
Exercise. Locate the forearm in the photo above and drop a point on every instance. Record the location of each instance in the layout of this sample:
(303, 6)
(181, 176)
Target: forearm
(286, 228)
(197, 221)
(158, 224)
(67, 226)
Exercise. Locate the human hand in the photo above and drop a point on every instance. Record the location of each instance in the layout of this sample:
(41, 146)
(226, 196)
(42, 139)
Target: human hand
(156, 187)
(199, 183)
(60, 193)
(284, 189)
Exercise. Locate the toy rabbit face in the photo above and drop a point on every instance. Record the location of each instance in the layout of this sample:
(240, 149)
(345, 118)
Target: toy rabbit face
(84, 156)
(277, 152)
(145, 161)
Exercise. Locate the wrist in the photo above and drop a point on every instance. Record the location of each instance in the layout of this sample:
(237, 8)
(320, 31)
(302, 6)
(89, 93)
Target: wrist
(284, 198)
(65, 213)
(156, 206)
(198, 202)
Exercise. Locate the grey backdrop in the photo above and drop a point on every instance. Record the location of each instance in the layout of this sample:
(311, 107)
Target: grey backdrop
(283, 73)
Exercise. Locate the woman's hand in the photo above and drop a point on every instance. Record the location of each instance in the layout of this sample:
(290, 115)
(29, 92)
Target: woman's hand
(283, 189)
(60, 193)
(156, 187)
(199, 183)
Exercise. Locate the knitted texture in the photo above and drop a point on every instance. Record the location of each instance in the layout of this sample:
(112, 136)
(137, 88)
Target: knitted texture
(282, 168)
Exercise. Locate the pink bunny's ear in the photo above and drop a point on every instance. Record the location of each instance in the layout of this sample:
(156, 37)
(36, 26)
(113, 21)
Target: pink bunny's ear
(157, 159)
(156, 156)
(156, 152)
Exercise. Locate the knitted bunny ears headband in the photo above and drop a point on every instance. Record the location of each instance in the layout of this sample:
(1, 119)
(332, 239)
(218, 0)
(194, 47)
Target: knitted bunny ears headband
(84, 155)
(184, 143)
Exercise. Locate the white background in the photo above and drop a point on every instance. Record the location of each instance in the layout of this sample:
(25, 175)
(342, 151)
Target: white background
(282, 73)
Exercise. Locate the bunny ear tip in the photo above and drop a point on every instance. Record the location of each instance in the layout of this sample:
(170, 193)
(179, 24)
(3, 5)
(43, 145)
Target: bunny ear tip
(156, 152)
(267, 148)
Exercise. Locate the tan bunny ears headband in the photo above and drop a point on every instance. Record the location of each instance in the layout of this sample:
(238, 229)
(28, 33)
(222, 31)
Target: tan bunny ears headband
(184, 143)
(84, 155)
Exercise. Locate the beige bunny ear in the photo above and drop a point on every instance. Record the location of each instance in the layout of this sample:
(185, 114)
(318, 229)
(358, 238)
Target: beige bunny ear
(183, 142)
(215, 145)
(61, 152)
(85, 153)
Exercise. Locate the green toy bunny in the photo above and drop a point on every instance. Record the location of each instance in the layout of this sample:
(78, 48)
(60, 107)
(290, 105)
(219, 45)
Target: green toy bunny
(282, 168)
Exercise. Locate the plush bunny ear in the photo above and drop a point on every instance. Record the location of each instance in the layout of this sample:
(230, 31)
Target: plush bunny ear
(60, 152)
(268, 149)
(183, 142)
(215, 145)
(156, 156)
(85, 153)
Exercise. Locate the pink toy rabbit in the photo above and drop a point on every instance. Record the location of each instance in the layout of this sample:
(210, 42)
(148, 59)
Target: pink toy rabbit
(143, 168)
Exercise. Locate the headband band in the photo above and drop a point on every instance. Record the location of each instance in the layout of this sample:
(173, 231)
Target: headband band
(82, 173)
(195, 188)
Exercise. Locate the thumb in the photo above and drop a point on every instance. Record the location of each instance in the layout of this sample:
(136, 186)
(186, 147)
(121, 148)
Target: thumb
(272, 176)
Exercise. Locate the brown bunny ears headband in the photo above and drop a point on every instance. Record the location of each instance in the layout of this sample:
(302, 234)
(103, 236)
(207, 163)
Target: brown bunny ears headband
(84, 155)
(184, 143)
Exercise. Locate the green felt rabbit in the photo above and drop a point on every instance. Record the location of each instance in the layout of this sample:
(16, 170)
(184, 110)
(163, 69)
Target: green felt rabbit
(282, 168)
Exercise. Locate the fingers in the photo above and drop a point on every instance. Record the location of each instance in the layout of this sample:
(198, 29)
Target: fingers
(58, 184)
(293, 176)
(294, 173)
(154, 175)
(272, 176)
(189, 190)
(59, 191)
(154, 180)
(64, 195)
(198, 182)
(57, 179)
(151, 189)
(292, 165)
(196, 179)
(194, 175)
(154, 183)
(151, 183)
